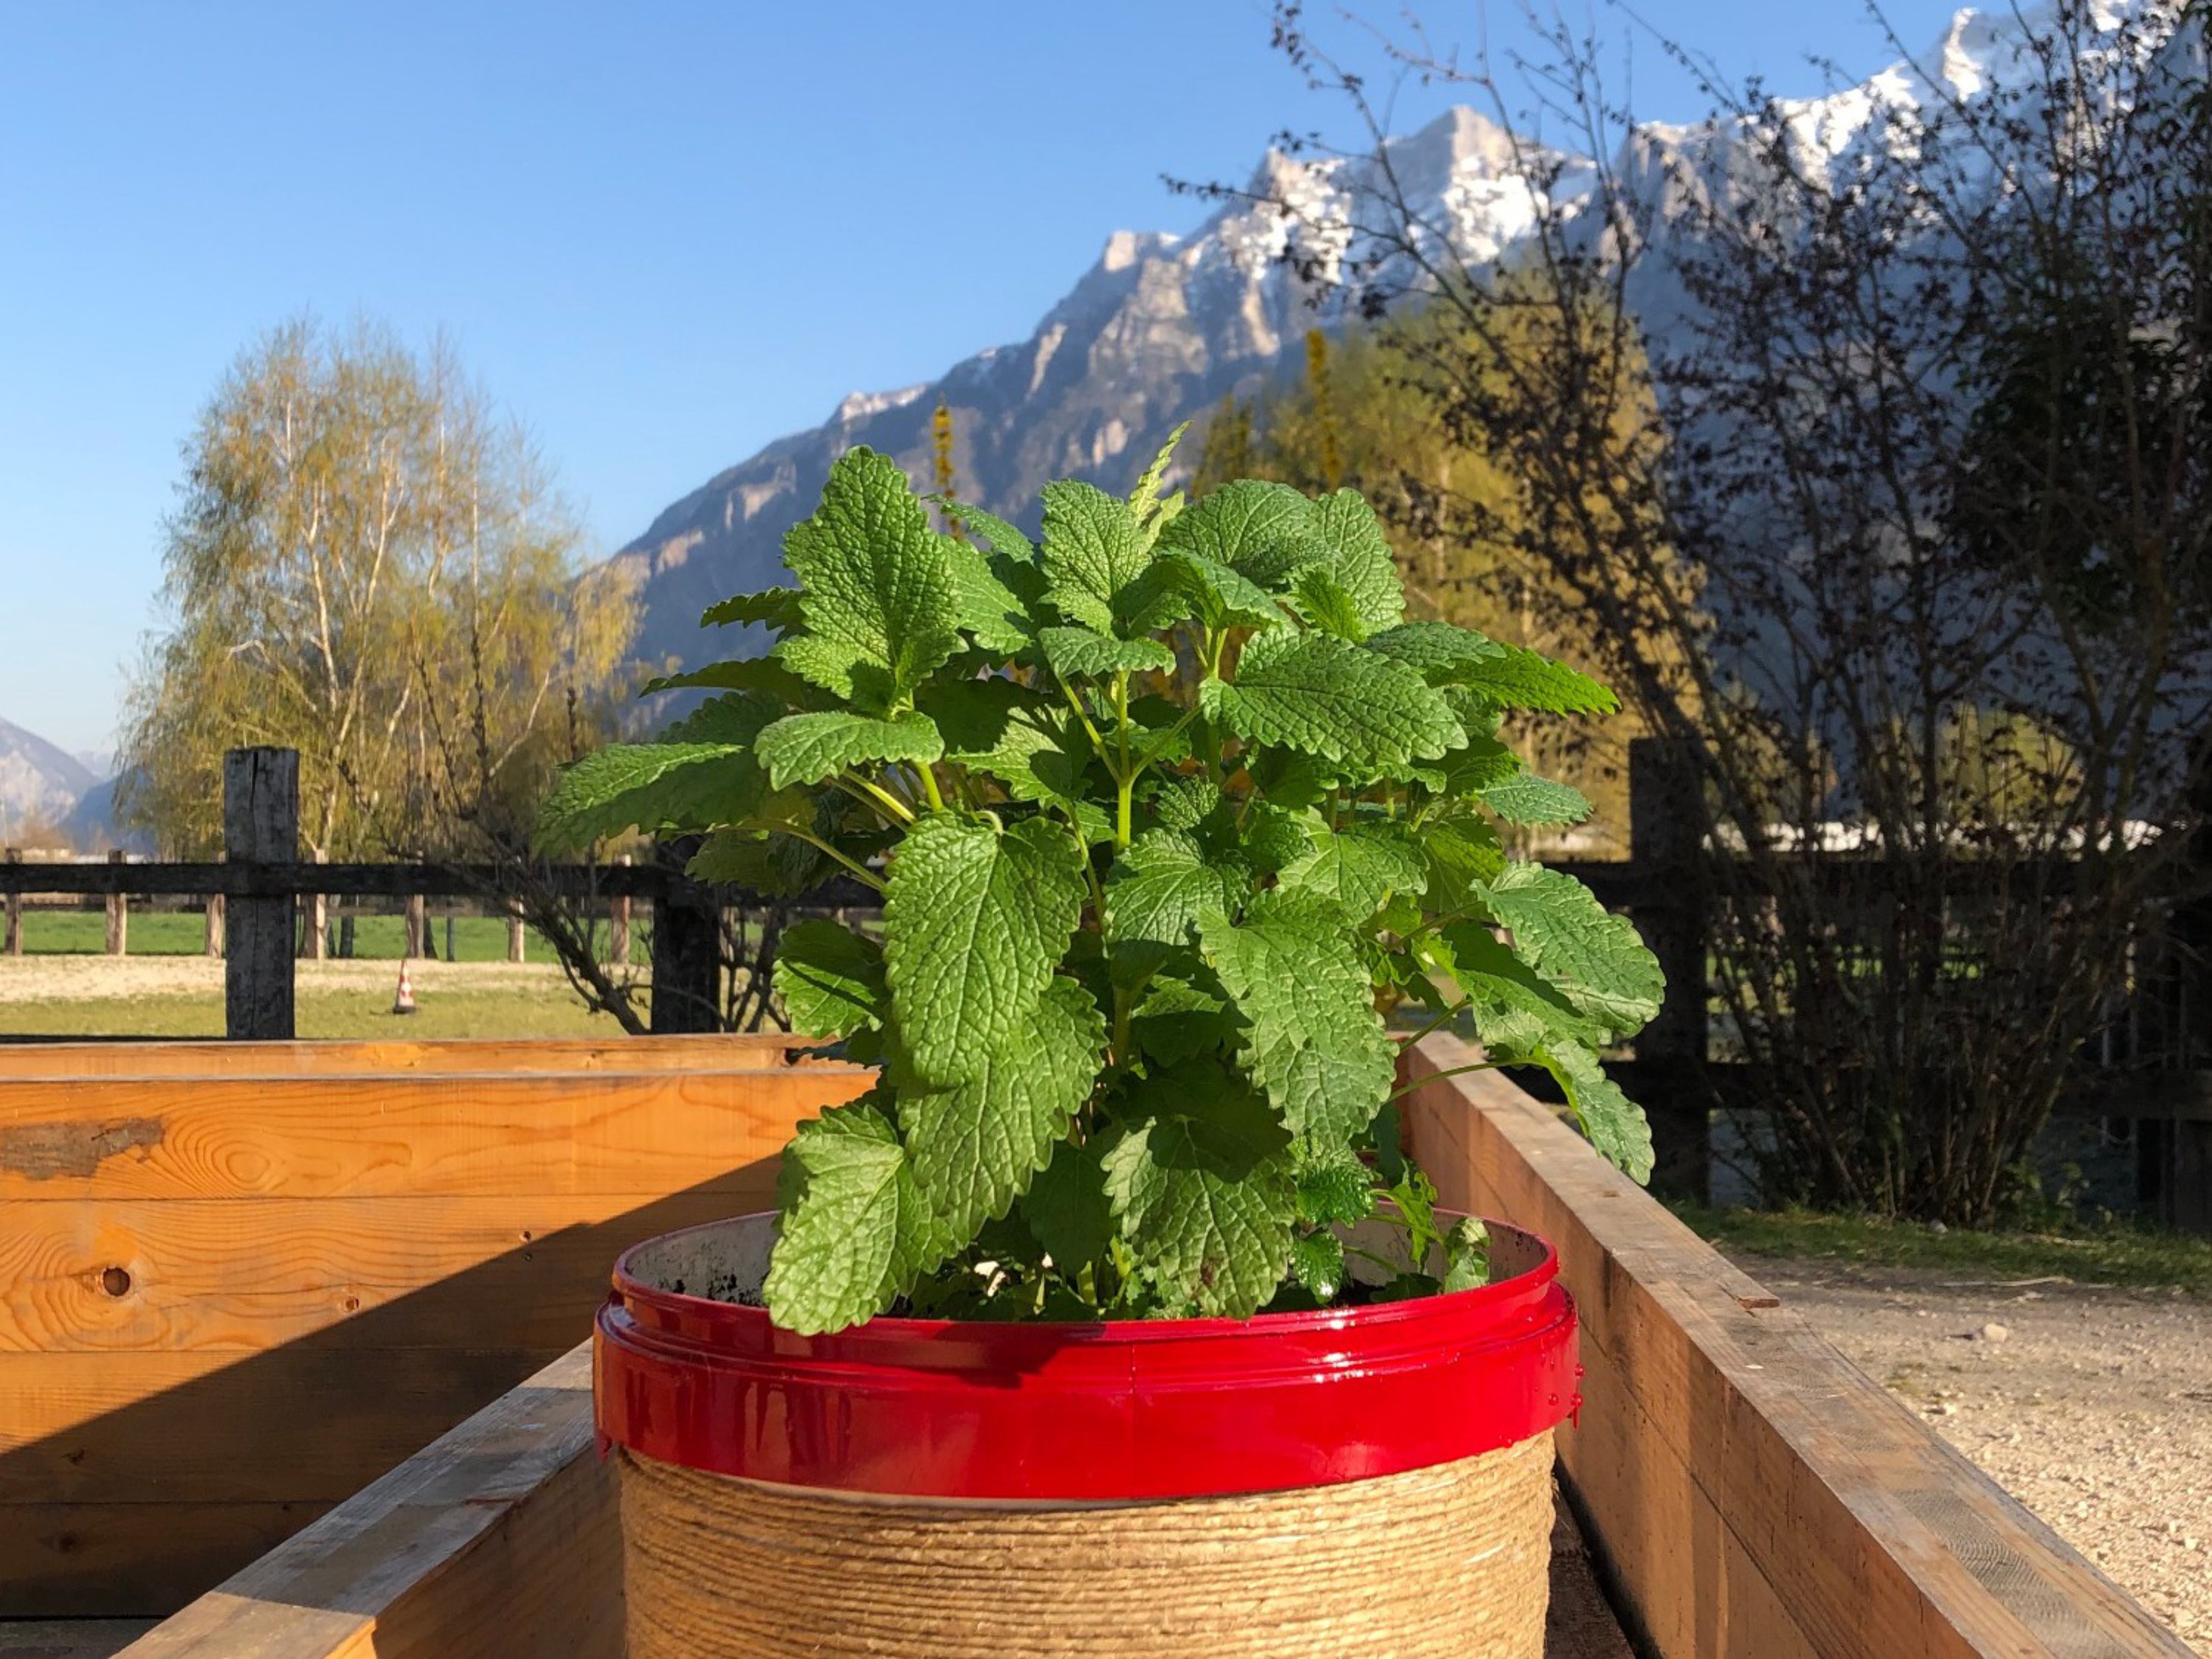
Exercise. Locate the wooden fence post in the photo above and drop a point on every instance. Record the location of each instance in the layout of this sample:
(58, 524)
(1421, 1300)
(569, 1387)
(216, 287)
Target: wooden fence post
(118, 912)
(687, 949)
(14, 910)
(215, 925)
(514, 934)
(260, 825)
(418, 927)
(314, 941)
(619, 925)
(1667, 827)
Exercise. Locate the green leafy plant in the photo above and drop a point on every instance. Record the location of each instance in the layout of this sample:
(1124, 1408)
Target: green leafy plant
(1171, 813)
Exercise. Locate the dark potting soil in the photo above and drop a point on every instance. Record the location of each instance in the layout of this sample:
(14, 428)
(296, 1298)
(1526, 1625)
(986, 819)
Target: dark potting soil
(721, 1287)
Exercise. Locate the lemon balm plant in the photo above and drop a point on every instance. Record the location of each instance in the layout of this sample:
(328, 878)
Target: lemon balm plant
(1170, 812)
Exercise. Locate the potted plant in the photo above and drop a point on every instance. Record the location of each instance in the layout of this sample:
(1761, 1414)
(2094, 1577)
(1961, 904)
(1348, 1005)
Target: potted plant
(1113, 1320)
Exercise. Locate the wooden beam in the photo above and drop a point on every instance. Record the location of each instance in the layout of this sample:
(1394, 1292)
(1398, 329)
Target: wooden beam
(284, 878)
(260, 823)
(81, 1140)
(223, 1276)
(1721, 1436)
(499, 1541)
(165, 1057)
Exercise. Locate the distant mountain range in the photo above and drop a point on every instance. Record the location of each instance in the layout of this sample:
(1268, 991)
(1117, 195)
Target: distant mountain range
(1160, 328)
(48, 795)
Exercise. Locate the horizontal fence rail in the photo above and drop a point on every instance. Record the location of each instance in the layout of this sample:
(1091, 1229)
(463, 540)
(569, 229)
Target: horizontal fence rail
(1673, 881)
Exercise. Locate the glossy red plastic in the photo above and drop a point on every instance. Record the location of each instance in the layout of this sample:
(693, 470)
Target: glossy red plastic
(1122, 1409)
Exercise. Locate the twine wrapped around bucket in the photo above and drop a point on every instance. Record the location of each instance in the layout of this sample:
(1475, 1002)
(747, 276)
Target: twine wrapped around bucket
(1450, 1560)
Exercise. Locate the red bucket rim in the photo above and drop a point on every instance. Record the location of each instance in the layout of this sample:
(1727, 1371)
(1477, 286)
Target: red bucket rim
(1104, 1410)
(889, 1328)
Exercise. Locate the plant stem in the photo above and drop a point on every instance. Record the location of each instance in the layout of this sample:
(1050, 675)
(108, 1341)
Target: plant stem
(929, 787)
(1478, 1065)
(859, 870)
(1097, 743)
(1440, 1021)
(883, 798)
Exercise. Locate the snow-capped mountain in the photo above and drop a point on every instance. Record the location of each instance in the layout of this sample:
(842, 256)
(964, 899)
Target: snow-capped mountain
(40, 782)
(1157, 330)
(1161, 327)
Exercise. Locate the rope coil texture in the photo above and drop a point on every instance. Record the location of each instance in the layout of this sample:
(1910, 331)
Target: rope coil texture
(1451, 1560)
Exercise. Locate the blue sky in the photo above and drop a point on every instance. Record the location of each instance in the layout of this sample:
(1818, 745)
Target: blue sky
(661, 232)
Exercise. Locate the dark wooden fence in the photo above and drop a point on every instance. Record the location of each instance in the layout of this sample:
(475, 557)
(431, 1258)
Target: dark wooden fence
(1669, 884)
(255, 893)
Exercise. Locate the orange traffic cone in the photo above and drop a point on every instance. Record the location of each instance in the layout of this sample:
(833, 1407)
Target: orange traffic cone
(404, 1003)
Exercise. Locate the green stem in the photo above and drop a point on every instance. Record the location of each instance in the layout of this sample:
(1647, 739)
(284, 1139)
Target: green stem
(1121, 717)
(883, 798)
(1440, 1021)
(1478, 1065)
(1097, 743)
(929, 787)
(859, 870)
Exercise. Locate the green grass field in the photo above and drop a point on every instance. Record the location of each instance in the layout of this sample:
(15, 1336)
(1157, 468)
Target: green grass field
(501, 1013)
(2116, 1254)
(174, 933)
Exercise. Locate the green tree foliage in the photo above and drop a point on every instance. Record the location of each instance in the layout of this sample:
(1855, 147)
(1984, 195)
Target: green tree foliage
(1137, 947)
(368, 565)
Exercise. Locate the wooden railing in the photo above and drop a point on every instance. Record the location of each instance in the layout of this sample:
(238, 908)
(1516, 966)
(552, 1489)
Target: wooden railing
(254, 893)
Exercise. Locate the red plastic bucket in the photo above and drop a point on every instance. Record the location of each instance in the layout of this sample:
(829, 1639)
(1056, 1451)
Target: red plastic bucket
(1118, 1410)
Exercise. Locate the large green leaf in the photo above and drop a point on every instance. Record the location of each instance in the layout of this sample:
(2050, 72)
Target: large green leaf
(1361, 866)
(1203, 1189)
(1077, 652)
(854, 1231)
(742, 674)
(1442, 647)
(1146, 494)
(1598, 960)
(1525, 798)
(975, 922)
(1463, 852)
(830, 979)
(1616, 1126)
(1260, 530)
(1334, 701)
(1177, 1020)
(1094, 549)
(1525, 679)
(877, 587)
(778, 607)
(1358, 557)
(975, 1144)
(771, 862)
(1516, 1011)
(808, 748)
(1326, 604)
(1065, 1206)
(1312, 1041)
(994, 615)
(649, 786)
(1159, 886)
(1220, 597)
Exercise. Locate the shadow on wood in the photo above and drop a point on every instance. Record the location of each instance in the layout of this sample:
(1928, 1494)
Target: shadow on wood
(228, 1303)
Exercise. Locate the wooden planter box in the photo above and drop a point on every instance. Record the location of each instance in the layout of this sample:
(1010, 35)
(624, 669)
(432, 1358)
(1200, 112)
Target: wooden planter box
(1746, 1490)
(239, 1281)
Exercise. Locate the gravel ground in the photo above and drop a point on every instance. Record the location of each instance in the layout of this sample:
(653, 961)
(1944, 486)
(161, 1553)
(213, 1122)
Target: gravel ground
(62, 978)
(2092, 1406)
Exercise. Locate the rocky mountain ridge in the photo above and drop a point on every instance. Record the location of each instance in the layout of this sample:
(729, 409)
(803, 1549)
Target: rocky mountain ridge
(1161, 327)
